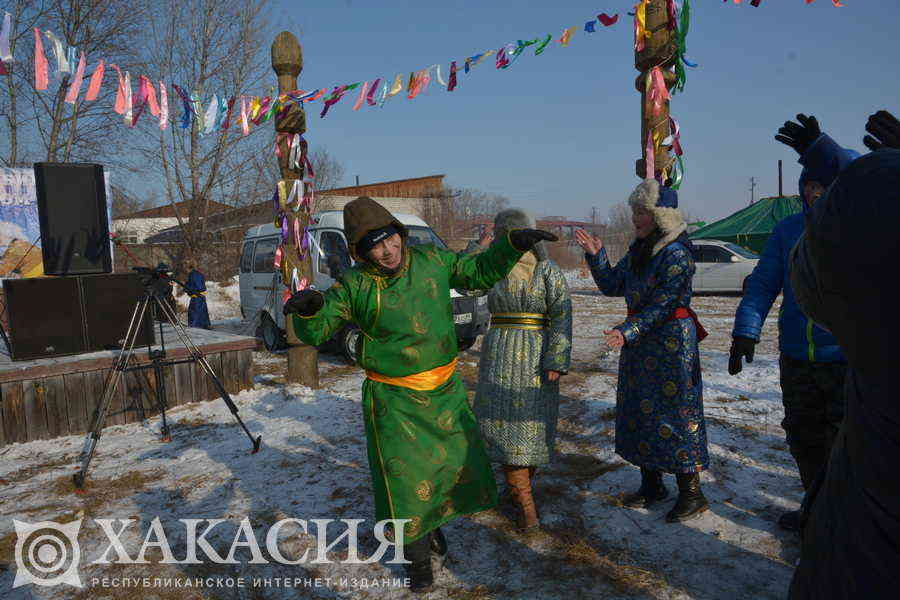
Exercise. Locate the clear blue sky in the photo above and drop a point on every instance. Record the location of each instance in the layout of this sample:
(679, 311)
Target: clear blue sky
(559, 133)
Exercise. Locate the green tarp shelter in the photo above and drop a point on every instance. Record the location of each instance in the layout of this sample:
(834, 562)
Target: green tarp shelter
(750, 227)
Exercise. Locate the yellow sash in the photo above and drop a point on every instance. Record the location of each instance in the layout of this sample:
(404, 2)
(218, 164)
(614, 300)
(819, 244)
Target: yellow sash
(422, 382)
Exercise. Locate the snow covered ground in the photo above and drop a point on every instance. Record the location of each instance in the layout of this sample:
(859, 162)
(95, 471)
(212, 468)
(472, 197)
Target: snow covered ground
(313, 465)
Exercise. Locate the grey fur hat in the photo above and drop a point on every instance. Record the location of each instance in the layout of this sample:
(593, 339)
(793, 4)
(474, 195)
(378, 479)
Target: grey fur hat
(516, 218)
(668, 219)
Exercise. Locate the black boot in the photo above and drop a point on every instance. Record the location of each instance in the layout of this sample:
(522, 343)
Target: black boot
(418, 553)
(691, 501)
(439, 546)
(652, 490)
(790, 521)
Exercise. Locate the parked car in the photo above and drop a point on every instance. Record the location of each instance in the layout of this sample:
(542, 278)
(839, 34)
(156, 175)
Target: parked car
(722, 266)
(261, 298)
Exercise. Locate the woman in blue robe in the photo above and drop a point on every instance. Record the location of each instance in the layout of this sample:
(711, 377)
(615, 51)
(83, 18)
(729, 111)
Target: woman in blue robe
(659, 401)
(198, 313)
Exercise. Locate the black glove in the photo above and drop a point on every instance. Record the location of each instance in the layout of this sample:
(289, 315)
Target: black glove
(885, 130)
(741, 347)
(524, 240)
(305, 303)
(799, 137)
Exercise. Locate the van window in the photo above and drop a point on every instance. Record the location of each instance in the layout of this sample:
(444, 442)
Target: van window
(419, 235)
(247, 257)
(264, 257)
(336, 257)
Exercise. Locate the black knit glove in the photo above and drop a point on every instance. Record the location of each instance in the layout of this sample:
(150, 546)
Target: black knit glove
(305, 303)
(885, 130)
(799, 136)
(524, 240)
(741, 347)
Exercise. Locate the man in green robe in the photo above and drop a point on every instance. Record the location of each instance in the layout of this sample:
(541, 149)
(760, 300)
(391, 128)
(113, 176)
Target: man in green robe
(426, 456)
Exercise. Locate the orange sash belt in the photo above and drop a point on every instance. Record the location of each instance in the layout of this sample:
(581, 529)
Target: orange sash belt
(422, 382)
(684, 312)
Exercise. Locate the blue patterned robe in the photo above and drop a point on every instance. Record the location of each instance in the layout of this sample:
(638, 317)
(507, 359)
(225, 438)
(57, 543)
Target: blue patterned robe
(659, 402)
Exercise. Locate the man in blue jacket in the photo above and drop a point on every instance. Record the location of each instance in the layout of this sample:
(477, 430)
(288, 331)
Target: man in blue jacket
(841, 273)
(812, 365)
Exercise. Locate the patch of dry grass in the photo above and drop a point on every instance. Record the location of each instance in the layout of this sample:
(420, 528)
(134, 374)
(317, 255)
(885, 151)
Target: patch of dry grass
(100, 492)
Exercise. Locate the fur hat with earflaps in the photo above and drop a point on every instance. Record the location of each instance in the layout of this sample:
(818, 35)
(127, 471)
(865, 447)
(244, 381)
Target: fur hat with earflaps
(366, 223)
(663, 205)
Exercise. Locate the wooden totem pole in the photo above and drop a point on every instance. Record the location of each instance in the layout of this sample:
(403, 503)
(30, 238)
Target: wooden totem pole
(287, 62)
(660, 50)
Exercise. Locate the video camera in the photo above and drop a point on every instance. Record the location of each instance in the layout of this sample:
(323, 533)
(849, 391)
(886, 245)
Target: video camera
(158, 279)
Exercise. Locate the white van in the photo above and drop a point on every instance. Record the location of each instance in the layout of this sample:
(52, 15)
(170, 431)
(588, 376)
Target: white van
(261, 289)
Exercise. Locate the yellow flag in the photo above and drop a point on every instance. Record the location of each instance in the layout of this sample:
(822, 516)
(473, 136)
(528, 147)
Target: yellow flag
(397, 86)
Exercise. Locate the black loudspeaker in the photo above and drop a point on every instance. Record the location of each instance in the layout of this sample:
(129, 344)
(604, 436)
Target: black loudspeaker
(44, 317)
(72, 211)
(108, 302)
(56, 316)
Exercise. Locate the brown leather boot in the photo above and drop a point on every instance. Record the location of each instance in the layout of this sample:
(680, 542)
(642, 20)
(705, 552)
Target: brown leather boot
(519, 482)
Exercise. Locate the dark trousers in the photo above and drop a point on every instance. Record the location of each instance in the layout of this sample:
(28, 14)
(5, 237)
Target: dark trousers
(813, 398)
(419, 551)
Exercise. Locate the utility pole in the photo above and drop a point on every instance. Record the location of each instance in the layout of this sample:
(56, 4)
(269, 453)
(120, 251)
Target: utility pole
(752, 190)
(287, 62)
(780, 190)
(661, 50)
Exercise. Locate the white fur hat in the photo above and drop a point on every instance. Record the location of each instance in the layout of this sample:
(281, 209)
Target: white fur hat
(666, 215)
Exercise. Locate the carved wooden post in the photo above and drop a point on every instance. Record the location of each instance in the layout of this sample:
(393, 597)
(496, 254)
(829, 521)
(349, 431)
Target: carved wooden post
(660, 49)
(287, 62)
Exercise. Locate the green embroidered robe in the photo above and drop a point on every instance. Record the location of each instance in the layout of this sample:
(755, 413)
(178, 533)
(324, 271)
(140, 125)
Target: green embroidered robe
(426, 456)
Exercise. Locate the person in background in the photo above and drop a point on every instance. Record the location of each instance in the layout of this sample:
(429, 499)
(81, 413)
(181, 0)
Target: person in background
(841, 274)
(811, 363)
(426, 457)
(523, 355)
(198, 313)
(659, 400)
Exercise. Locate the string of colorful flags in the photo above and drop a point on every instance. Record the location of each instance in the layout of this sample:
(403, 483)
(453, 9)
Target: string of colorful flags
(216, 113)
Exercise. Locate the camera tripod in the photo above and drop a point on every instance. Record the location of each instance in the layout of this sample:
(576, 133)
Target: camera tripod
(155, 287)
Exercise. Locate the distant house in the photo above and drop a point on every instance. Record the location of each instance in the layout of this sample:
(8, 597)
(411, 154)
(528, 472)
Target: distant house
(136, 227)
(408, 196)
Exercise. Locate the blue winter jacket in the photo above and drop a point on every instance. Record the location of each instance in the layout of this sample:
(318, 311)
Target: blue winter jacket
(799, 337)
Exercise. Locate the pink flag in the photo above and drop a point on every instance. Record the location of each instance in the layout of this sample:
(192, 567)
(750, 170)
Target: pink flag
(362, 96)
(659, 93)
(163, 106)
(75, 86)
(41, 78)
(151, 97)
(96, 81)
(651, 157)
(119, 105)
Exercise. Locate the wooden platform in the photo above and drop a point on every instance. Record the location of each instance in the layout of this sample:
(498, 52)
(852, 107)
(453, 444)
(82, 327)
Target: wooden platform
(51, 397)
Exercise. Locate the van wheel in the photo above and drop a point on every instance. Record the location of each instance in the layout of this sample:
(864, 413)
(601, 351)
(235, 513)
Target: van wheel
(272, 335)
(348, 343)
